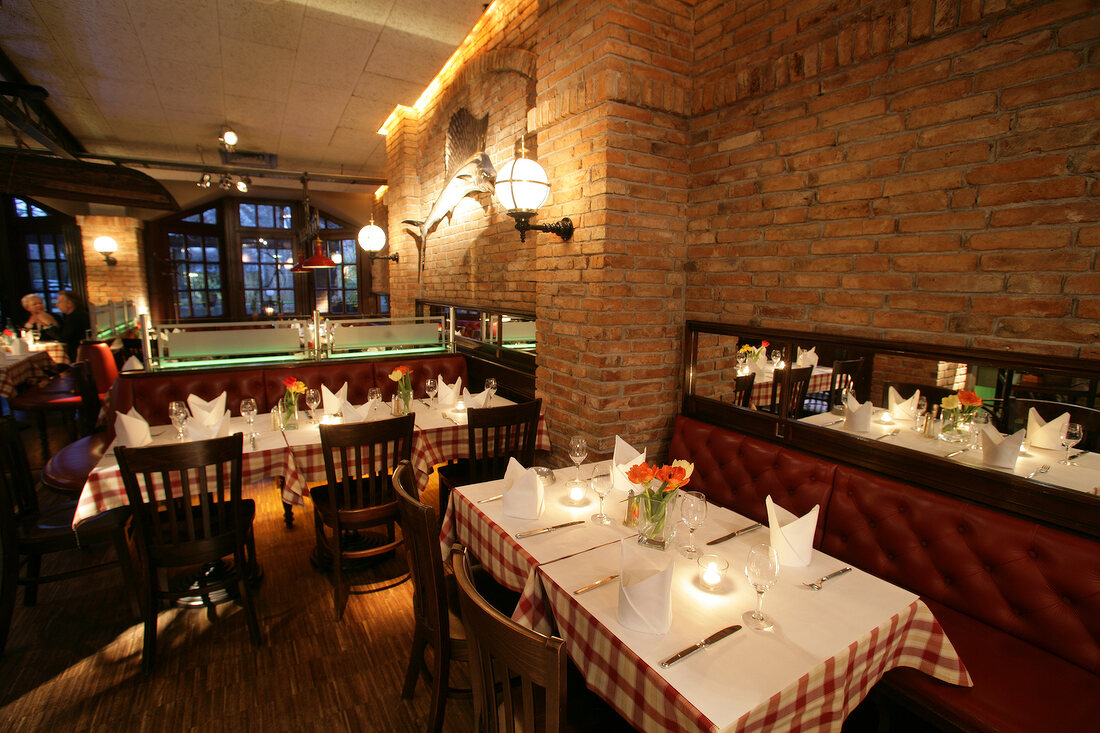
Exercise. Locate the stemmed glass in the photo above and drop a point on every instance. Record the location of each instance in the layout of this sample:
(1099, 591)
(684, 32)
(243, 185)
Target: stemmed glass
(777, 357)
(693, 511)
(313, 401)
(918, 414)
(578, 451)
(601, 484)
(374, 395)
(177, 411)
(1073, 435)
(248, 412)
(762, 570)
(431, 387)
(491, 388)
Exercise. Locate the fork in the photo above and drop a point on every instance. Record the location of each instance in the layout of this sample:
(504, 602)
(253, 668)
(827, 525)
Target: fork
(889, 434)
(830, 576)
(1042, 469)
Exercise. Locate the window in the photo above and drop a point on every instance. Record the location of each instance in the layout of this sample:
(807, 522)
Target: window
(25, 210)
(268, 281)
(43, 242)
(196, 266)
(337, 290)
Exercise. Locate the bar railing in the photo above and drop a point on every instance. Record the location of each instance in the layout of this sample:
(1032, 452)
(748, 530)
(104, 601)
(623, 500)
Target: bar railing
(112, 318)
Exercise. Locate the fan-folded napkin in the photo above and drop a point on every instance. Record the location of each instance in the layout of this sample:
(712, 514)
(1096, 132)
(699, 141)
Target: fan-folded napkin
(131, 429)
(857, 416)
(999, 450)
(806, 358)
(333, 402)
(206, 413)
(645, 588)
(1041, 434)
(133, 364)
(625, 457)
(476, 401)
(522, 492)
(792, 537)
(198, 430)
(361, 413)
(448, 395)
(759, 364)
(902, 409)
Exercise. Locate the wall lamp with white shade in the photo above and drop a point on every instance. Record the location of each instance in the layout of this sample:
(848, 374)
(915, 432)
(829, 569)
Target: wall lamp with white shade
(372, 239)
(106, 246)
(522, 187)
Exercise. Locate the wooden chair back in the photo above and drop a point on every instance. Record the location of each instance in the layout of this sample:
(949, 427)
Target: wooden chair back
(496, 434)
(359, 459)
(742, 389)
(1088, 417)
(99, 356)
(789, 390)
(86, 387)
(16, 480)
(518, 674)
(846, 375)
(421, 531)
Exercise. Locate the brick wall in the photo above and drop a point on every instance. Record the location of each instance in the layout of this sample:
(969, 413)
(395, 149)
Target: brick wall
(124, 281)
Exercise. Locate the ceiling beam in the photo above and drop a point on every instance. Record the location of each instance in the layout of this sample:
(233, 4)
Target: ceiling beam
(25, 174)
(23, 105)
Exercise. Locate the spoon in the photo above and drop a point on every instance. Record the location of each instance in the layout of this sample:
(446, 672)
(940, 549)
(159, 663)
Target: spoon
(1042, 469)
(818, 584)
(887, 435)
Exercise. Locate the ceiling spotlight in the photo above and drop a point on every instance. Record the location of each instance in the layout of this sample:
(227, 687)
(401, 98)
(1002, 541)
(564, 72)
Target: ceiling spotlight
(228, 139)
(204, 181)
(243, 184)
(226, 182)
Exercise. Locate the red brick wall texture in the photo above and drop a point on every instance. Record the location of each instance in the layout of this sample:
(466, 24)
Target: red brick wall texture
(923, 170)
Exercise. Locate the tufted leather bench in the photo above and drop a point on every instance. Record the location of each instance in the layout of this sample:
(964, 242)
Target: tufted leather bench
(1020, 601)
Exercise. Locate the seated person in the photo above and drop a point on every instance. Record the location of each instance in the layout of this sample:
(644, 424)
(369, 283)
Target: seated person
(74, 322)
(39, 318)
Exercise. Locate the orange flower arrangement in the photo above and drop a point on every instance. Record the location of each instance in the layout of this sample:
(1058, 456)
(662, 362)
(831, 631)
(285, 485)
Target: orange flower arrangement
(659, 487)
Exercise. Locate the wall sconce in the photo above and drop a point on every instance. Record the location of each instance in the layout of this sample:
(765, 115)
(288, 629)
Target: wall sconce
(522, 187)
(105, 246)
(372, 239)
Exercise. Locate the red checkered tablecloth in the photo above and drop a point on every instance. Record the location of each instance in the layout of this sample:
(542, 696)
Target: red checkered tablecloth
(55, 349)
(14, 370)
(435, 445)
(762, 386)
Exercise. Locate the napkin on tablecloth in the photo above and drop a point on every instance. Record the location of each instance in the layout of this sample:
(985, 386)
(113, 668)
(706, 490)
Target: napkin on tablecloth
(901, 409)
(131, 429)
(622, 460)
(759, 364)
(857, 416)
(792, 537)
(206, 413)
(333, 402)
(476, 401)
(352, 413)
(448, 395)
(523, 496)
(806, 357)
(1000, 451)
(1042, 434)
(133, 364)
(645, 588)
(197, 430)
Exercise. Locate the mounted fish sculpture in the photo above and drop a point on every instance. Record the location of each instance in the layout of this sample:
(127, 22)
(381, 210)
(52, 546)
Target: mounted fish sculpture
(470, 172)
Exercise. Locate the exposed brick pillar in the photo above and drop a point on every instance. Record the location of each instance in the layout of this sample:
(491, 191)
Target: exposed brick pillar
(124, 281)
(402, 200)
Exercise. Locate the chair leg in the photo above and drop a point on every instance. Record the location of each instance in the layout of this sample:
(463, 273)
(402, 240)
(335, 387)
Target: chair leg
(149, 643)
(340, 589)
(9, 577)
(246, 599)
(30, 580)
(122, 549)
(440, 684)
(416, 656)
(43, 434)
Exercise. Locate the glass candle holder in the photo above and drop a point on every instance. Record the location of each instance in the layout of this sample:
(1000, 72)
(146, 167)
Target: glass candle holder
(577, 492)
(712, 570)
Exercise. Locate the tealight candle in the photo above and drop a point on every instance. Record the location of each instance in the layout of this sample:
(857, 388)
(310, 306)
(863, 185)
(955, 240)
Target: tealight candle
(712, 569)
(887, 418)
(460, 406)
(577, 491)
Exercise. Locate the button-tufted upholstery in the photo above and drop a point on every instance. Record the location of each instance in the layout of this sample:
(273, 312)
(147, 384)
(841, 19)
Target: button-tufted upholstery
(739, 472)
(152, 393)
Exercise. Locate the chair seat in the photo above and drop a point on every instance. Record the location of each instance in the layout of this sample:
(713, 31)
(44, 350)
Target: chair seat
(51, 529)
(67, 470)
(458, 472)
(40, 399)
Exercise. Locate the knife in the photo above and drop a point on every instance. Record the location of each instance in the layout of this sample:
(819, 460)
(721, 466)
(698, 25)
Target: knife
(593, 586)
(832, 422)
(731, 535)
(1077, 455)
(531, 533)
(713, 638)
(955, 453)
(487, 499)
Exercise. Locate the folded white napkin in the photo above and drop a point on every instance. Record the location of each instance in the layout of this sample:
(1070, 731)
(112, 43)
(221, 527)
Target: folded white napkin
(523, 496)
(477, 401)
(857, 416)
(759, 365)
(333, 403)
(792, 537)
(806, 358)
(197, 430)
(645, 588)
(901, 409)
(131, 429)
(206, 413)
(448, 395)
(133, 364)
(352, 413)
(624, 458)
(1042, 434)
(1000, 450)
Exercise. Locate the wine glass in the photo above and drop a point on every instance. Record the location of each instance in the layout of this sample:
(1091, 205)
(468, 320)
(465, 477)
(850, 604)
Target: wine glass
(693, 510)
(1073, 435)
(977, 422)
(762, 570)
(578, 451)
(742, 363)
(431, 387)
(918, 414)
(777, 357)
(374, 394)
(313, 401)
(177, 411)
(248, 412)
(491, 388)
(601, 485)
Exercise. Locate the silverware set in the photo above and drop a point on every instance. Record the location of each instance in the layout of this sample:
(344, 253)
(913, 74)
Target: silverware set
(1041, 469)
(739, 532)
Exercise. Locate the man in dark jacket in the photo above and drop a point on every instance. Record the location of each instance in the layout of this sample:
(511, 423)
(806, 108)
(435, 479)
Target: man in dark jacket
(74, 325)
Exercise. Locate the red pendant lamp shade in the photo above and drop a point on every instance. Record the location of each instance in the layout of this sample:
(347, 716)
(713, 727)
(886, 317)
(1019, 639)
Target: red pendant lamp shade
(319, 259)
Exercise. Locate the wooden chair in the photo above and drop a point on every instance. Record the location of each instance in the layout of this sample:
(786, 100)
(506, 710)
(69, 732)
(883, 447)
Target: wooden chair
(787, 397)
(72, 394)
(1088, 417)
(494, 435)
(742, 390)
(359, 495)
(519, 675)
(435, 605)
(190, 520)
(29, 531)
(845, 375)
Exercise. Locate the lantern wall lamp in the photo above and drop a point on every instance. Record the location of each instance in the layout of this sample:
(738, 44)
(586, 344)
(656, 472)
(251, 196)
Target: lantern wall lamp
(372, 239)
(522, 187)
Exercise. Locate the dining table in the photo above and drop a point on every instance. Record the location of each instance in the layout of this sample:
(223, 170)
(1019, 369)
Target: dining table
(820, 379)
(827, 649)
(16, 369)
(1040, 464)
